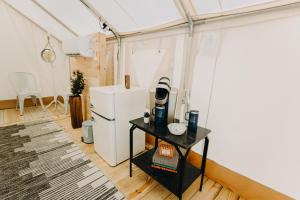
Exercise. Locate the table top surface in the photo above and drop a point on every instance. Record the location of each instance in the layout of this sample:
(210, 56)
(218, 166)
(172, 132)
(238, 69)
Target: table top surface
(186, 140)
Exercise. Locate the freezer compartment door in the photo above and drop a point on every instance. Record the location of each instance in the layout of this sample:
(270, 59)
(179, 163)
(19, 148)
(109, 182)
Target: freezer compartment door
(104, 139)
(102, 102)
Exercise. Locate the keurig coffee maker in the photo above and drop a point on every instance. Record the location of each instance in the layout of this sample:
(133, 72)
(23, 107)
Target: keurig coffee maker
(163, 102)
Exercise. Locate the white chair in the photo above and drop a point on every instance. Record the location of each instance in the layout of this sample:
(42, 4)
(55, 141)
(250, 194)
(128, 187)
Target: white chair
(65, 95)
(60, 90)
(25, 86)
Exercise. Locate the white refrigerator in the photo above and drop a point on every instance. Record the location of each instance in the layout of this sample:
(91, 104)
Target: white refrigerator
(112, 108)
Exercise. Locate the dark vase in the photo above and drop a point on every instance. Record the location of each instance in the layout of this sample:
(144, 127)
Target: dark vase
(76, 111)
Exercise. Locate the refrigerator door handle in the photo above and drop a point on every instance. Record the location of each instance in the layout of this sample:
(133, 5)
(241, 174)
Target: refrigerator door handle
(103, 117)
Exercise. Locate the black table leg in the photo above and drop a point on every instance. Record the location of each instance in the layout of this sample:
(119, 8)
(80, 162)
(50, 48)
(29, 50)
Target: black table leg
(183, 159)
(156, 142)
(131, 149)
(181, 172)
(204, 161)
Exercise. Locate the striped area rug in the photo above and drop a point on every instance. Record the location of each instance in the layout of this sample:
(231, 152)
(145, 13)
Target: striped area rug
(39, 161)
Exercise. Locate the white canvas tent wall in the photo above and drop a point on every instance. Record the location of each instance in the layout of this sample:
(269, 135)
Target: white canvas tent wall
(238, 52)
(21, 44)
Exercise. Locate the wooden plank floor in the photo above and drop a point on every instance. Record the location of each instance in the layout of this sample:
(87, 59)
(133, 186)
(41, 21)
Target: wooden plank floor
(140, 186)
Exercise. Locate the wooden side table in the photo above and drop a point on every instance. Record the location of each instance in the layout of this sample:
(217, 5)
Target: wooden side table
(178, 182)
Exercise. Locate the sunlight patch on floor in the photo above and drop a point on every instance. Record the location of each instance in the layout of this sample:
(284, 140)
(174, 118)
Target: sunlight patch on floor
(12, 116)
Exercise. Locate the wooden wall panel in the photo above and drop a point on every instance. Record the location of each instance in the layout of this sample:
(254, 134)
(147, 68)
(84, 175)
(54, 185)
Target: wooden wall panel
(94, 70)
(110, 55)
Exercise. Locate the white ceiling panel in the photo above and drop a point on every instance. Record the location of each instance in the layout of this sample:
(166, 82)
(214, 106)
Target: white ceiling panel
(114, 14)
(36, 14)
(230, 4)
(73, 14)
(123, 15)
(150, 13)
(130, 15)
(206, 6)
(215, 6)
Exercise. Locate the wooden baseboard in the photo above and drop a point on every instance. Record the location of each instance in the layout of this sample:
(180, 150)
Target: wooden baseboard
(11, 103)
(245, 187)
(238, 183)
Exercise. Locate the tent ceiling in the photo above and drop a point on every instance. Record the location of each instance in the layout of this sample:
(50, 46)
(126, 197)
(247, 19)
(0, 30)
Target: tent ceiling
(204, 6)
(68, 18)
(37, 15)
(75, 15)
(229, 4)
(137, 15)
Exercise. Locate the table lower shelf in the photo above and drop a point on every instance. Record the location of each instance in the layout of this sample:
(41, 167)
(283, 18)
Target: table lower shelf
(168, 179)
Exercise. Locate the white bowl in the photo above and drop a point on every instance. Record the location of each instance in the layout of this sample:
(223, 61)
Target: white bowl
(177, 128)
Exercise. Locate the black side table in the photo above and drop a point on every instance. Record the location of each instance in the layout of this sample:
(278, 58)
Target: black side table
(178, 182)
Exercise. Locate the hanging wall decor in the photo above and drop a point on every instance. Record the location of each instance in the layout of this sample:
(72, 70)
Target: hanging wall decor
(48, 54)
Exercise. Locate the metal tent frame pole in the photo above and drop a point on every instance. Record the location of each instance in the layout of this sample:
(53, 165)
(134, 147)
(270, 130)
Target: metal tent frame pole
(188, 46)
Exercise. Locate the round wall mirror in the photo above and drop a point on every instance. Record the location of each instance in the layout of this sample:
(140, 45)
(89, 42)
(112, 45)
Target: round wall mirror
(48, 54)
